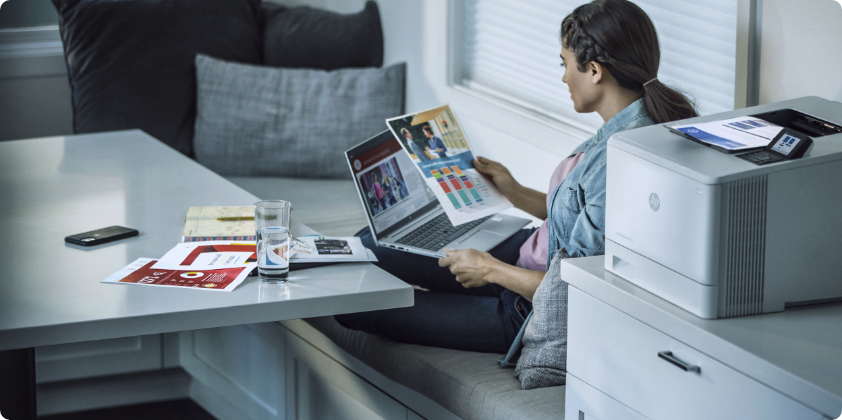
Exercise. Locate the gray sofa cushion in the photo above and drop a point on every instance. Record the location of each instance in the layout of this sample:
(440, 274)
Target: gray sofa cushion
(543, 359)
(263, 121)
(468, 384)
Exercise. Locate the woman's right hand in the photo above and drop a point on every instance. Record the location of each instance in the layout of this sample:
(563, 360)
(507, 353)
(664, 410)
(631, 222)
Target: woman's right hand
(499, 174)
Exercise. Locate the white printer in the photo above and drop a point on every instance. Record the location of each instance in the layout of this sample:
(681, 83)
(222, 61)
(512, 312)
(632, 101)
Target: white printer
(720, 236)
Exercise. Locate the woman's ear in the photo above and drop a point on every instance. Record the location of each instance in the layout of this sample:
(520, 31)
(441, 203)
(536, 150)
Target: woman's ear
(596, 72)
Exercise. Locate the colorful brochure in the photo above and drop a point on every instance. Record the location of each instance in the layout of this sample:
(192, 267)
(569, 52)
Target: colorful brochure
(441, 152)
(141, 272)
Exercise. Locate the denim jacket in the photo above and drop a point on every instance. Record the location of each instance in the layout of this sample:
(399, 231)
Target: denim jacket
(577, 206)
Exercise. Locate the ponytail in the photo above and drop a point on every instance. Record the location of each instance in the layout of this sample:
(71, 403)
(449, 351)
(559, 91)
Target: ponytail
(666, 104)
(619, 35)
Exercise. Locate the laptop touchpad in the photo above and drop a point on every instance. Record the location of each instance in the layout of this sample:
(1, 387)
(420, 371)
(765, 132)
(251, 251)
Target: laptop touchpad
(482, 240)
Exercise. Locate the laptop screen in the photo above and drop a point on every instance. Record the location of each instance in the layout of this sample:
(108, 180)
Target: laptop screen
(390, 186)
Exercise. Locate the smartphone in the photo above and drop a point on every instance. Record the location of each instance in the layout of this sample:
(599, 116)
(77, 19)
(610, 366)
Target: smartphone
(101, 236)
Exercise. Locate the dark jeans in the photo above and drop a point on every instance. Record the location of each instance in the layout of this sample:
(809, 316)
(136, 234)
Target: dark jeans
(485, 319)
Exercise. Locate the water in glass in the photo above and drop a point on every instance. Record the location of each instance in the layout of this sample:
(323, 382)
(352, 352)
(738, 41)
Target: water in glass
(273, 254)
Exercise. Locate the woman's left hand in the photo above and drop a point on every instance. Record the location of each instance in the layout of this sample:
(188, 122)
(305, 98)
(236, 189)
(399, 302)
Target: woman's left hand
(471, 267)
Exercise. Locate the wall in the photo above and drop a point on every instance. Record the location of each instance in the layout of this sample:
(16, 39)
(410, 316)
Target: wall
(26, 13)
(799, 56)
(800, 49)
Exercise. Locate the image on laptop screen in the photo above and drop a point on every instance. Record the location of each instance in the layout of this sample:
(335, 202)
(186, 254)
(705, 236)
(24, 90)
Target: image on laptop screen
(391, 186)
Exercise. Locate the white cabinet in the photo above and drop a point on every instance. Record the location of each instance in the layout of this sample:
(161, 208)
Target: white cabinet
(628, 361)
(263, 371)
(634, 355)
(97, 358)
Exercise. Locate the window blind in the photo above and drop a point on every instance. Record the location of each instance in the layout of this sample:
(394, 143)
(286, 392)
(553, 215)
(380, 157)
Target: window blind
(511, 49)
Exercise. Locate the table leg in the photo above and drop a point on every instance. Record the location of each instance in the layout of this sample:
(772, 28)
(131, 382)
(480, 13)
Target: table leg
(17, 384)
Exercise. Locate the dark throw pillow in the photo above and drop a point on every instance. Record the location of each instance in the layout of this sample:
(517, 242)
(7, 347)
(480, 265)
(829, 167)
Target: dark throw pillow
(301, 37)
(265, 121)
(130, 63)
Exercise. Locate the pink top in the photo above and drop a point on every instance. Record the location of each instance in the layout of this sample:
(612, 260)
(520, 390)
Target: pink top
(533, 253)
(378, 191)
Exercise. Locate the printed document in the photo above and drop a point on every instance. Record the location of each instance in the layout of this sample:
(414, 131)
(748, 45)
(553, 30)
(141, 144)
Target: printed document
(316, 249)
(440, 150)
(209, 255)
(141, 272)
(733, 134)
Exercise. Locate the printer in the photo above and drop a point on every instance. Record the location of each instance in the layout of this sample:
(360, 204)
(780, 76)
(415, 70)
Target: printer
(720, 236)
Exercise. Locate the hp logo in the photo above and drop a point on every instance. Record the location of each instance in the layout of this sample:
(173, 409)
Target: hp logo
(654, 202)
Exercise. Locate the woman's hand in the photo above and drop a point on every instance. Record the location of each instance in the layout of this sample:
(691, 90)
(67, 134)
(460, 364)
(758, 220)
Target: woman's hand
(526, 199)
(499, 174)
(471, 267)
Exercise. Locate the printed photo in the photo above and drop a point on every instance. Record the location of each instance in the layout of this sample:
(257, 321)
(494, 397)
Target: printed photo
(333, 247)
(430, 135)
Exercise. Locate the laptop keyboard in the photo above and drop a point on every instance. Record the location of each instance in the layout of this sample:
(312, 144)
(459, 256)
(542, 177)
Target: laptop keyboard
(437, 233)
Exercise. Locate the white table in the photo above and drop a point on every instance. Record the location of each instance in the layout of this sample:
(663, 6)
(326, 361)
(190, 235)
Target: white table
(50, 291)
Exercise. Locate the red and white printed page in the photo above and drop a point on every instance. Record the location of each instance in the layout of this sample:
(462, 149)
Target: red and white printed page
(141, 272)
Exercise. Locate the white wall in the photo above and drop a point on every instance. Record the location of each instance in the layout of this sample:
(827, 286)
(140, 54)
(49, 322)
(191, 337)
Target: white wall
(801, 50)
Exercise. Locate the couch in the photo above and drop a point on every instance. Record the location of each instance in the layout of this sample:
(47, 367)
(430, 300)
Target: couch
(114, 89)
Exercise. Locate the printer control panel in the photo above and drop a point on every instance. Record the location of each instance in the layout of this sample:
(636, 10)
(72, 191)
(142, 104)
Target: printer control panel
(788, 144)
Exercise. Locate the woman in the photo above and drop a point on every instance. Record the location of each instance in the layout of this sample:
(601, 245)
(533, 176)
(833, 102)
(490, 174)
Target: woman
(390, 190)
(372, 201)
(610, 53)
(378, 192)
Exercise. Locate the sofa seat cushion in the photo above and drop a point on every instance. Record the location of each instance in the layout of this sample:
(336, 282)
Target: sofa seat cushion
(468, 384)
(341, 215)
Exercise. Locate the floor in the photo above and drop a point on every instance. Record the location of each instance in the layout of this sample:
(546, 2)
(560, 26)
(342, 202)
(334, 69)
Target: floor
(167, 410)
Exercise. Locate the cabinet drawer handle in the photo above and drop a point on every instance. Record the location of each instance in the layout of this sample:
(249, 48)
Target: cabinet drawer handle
(667, 355)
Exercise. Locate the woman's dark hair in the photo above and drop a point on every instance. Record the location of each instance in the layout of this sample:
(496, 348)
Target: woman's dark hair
(619, 35)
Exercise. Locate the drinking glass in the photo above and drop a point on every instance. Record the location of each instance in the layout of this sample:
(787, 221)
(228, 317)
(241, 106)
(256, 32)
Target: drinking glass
(271, 220)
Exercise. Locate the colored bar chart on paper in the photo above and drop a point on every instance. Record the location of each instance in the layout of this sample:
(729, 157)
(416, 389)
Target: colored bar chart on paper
(445, 188)
(468, 184)
(457, 186)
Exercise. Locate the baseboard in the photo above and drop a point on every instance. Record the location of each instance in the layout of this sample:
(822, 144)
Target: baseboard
(214, 403)
(112, 391)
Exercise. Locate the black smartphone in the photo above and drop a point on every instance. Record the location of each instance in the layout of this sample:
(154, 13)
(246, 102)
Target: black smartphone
(101, 236)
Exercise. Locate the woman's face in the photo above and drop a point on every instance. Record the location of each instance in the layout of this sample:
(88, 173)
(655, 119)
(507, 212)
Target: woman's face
(582, 89)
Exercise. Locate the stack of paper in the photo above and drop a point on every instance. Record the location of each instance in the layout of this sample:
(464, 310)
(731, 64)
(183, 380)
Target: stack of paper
(734, 134)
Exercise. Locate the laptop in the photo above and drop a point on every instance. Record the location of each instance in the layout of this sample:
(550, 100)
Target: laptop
(404, 214)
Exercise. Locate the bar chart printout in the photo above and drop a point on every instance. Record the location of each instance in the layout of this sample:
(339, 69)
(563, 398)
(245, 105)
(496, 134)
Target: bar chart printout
(457, 186)
(443, 184)
(468, 184)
